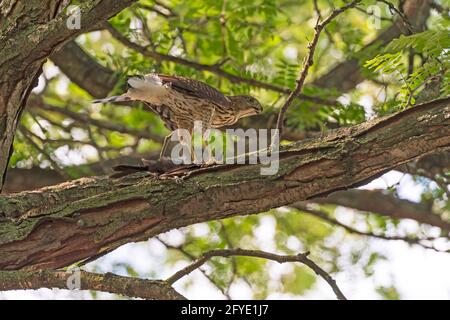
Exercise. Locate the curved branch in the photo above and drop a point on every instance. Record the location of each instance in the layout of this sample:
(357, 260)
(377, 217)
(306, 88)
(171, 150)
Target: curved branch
(226, 253)
(375, 201)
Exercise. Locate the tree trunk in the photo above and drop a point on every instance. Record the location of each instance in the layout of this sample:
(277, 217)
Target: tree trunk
(29, 32)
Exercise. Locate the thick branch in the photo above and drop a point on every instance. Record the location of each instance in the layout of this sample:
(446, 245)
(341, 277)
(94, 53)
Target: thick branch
(109, 282)
(374, 201)
(56, 226)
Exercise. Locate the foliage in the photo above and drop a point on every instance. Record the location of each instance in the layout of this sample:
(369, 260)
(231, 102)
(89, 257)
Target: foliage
(433, 46)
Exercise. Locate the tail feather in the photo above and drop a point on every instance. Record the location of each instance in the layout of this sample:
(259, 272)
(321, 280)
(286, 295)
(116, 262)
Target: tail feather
(145, 88)
(122, 97)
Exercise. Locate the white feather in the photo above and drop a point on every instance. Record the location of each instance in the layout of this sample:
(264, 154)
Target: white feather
(149, 88)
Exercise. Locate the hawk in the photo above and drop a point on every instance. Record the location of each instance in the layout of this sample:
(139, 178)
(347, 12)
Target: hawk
(181, 101)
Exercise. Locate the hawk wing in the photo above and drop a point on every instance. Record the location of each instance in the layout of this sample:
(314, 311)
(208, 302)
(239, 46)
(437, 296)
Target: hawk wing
(196, 88)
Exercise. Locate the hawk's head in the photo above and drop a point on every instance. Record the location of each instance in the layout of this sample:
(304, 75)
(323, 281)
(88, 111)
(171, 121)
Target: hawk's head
(246, 106)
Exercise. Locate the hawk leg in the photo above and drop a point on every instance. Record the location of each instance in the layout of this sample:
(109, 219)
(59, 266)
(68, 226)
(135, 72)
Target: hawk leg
(164, 146)
(206, 121)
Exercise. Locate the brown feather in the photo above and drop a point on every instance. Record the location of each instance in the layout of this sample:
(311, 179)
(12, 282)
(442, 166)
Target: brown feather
(196, 88)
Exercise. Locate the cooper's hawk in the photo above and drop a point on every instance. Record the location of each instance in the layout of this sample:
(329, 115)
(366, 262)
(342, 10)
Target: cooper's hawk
(180, 101)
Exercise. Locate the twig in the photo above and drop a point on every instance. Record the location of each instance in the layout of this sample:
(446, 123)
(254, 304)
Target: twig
(65, 141)
(412, 91)
(302, 258)
(145, 28)
(191, 257)
(84, 119)
(372, 14)
(308, 62)
(319, 15)
(392, 8)
(26, 134)
(223, 28)
(157, 10)
(162, 5)
(227, 239)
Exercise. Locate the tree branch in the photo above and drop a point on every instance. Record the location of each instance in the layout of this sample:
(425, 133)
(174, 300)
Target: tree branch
(226, 253)
(375, 201)
(325, 217)
(84, 120)
(89, 217)
(191, 257)
(404, 18)
(83, 70)
(308, 61)
(386, 205)
(108, 282)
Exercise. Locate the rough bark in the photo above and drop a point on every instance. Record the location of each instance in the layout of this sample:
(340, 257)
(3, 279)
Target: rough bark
(30, 31)
(374, 201)
(56, 226)
(109, 282)
(21, 179)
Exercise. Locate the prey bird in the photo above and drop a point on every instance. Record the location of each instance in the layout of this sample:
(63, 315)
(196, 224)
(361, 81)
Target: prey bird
(181, 101)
